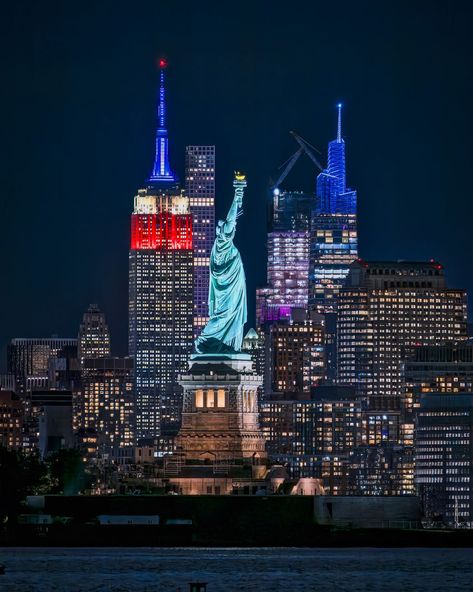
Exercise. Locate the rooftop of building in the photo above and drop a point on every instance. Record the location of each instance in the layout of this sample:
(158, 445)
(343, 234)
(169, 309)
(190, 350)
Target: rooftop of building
(108, 363)
(454, 351)
(399, 264)
(54, 339)
(446, 400)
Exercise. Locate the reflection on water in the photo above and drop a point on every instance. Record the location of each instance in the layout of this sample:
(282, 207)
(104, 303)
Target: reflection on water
(258, 570)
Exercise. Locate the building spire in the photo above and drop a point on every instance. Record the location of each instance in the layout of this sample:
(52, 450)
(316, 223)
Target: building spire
(161, 169)
(339, 124)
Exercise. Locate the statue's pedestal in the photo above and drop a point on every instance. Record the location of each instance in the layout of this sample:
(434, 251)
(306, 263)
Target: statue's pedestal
(220, 411)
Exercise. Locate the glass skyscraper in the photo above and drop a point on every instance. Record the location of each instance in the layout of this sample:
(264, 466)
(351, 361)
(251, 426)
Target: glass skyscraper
(288, 256)
(334, 241)
(200, 188)
(386, 310)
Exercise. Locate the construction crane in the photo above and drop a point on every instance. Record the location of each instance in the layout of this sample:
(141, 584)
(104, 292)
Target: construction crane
(304, 147)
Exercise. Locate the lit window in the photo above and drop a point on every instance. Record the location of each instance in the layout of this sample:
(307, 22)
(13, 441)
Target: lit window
(210, 398)
(199, 398)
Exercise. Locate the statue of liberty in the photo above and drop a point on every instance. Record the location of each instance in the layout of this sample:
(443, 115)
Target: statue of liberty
(223, 333)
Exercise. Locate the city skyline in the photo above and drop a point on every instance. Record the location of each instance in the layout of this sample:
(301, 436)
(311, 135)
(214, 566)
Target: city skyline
(81, 279)
(236, 285)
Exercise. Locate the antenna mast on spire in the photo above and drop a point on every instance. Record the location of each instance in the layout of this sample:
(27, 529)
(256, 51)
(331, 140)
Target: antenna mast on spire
(162, 172)
(339, 124)
(162, 100)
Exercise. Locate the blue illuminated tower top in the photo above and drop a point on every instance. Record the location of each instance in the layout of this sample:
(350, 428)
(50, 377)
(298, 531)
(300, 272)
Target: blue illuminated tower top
(333, 196)
(162, 172)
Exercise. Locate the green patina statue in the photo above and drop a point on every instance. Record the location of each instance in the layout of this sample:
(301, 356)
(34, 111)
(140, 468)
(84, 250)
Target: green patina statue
(223, 333)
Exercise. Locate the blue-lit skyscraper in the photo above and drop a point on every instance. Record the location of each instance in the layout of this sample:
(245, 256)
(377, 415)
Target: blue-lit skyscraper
(334, 241)
(333, 196)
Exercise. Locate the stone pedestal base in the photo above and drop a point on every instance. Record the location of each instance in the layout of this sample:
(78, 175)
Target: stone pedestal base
(220, 411)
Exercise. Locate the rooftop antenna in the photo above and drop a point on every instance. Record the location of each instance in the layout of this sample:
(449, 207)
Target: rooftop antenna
(339, 124)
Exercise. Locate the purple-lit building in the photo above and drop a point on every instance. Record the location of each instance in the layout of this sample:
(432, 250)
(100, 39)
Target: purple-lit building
(200, 189)
(288, 257)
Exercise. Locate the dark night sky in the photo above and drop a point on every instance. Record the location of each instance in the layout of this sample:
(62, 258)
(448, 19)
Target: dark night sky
(78, 112)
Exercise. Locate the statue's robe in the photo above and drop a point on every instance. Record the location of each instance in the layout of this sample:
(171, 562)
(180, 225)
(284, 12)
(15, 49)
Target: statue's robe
(227, 297)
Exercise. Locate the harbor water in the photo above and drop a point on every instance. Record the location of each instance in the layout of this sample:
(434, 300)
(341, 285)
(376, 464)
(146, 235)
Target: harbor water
(258, 570)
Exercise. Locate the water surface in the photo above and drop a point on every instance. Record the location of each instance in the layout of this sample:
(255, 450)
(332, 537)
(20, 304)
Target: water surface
(258, 570)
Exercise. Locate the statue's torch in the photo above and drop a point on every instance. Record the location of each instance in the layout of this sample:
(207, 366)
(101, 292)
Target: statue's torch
(239, 183)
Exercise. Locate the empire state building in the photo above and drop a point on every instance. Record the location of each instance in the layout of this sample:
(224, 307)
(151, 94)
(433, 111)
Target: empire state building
(160, 291)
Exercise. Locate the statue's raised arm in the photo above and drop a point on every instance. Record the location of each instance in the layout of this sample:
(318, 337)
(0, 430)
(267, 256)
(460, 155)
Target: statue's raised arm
(239, 184)
(227, 293)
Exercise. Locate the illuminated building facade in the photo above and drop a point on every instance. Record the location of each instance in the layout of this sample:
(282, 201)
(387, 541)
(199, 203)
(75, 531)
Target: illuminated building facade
(385, 311)
(334, 239)
(28, 360)
(327, 426)
(277, 421)
(162, 173)
(381, 427)
(200, 188)
(161, 311)
(288, 256)
(434, 369)
(220, 412)
(160, 300)
(381, 470)
(444, 457)
(314, 438)
(333, 248)
(11, 420)
(106, 406)
(94, 335)
(295, 355)
(439, 369)
(439, 382)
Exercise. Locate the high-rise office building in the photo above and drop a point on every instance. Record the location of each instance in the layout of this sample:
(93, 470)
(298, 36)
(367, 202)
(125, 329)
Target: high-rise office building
(381, 470)
(51, 421)
(28, 360)
(294, 355)
(94, 335)
(437, 419)
(200, 189)
(434, 369)
(334, 239)
(160, 285)
(314, 438)
(384, 312)
(287, 285)
(444, 368)
(65, 369)
(444, 457)
(11, 420)
(106, 405)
